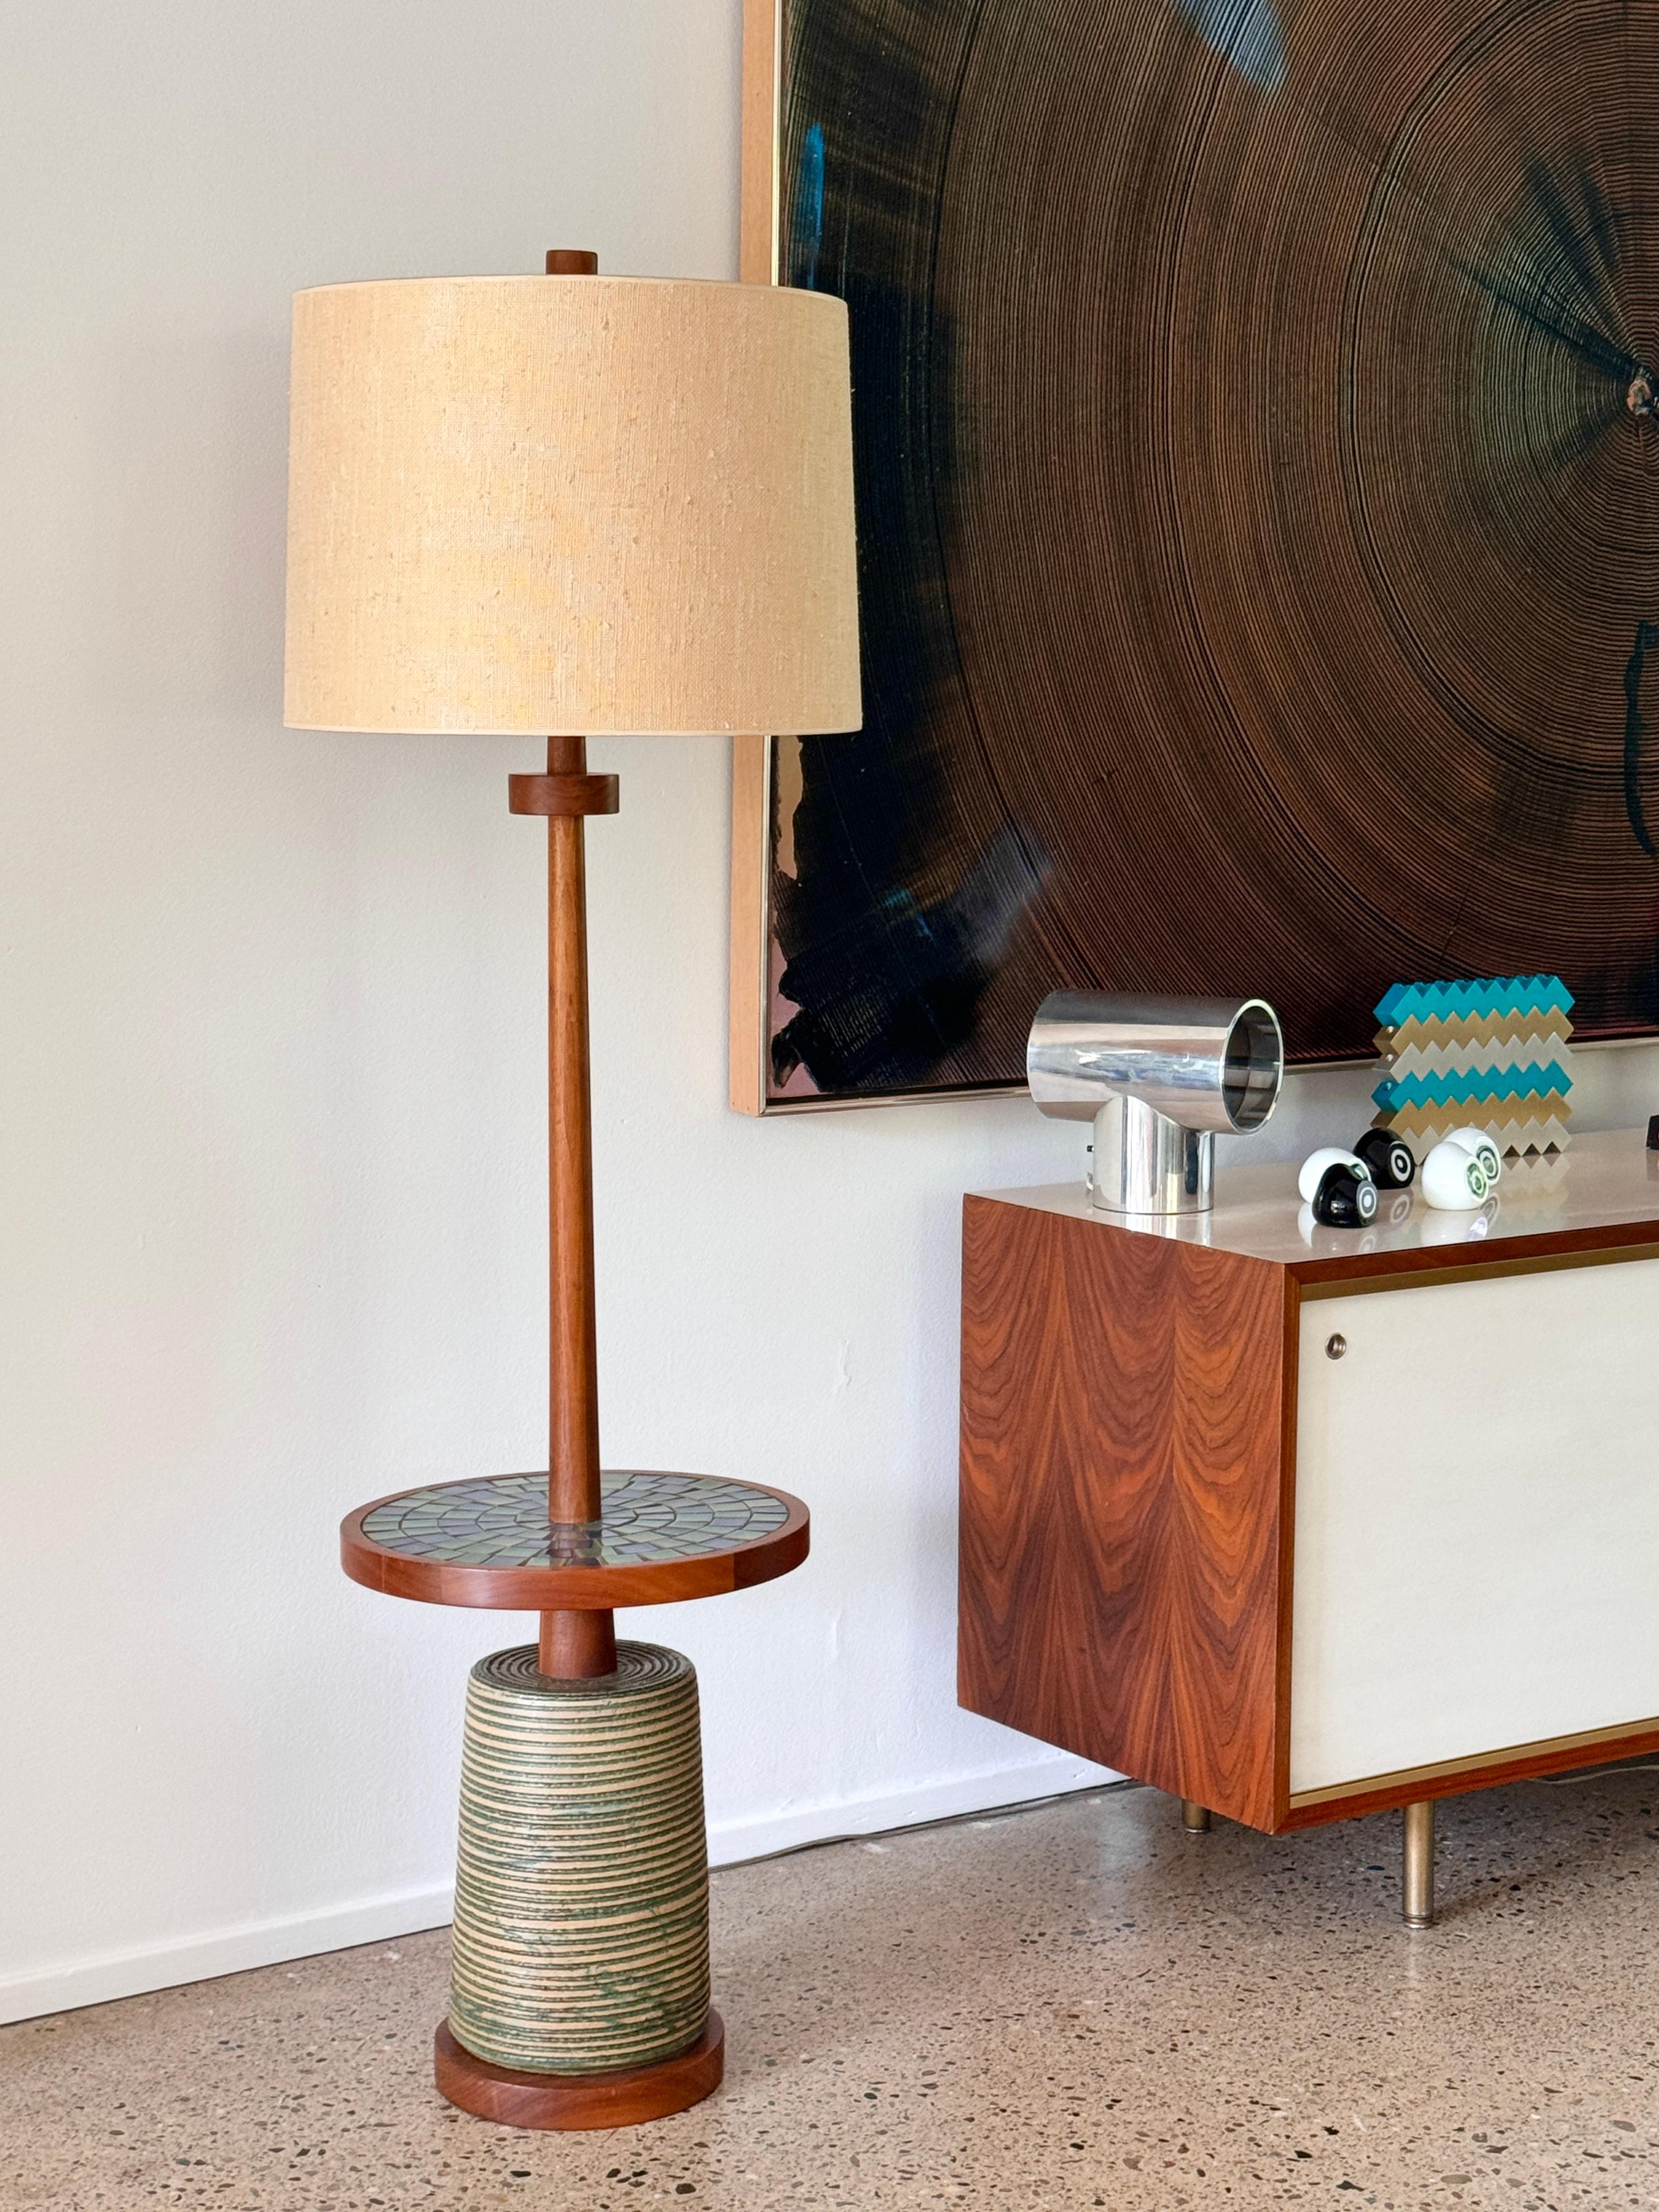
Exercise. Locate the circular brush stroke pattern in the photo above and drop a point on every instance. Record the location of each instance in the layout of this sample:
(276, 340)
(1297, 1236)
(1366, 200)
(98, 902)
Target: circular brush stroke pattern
(1259, 482)
(582, 1897)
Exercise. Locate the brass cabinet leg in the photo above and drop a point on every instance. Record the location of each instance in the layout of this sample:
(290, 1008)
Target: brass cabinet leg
(1195, 1818)
(1417, 1899)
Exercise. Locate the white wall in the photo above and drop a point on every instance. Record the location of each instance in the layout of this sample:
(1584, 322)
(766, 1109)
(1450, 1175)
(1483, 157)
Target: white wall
(270, 1163)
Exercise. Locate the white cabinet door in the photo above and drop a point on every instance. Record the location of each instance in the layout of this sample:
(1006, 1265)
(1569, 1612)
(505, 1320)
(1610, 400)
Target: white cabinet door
(1477, 1519)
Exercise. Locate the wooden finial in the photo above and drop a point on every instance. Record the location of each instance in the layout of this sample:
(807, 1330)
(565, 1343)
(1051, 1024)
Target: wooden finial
(571, 261)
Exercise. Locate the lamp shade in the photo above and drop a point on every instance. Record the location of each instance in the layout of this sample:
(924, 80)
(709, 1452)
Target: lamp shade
(576, 504)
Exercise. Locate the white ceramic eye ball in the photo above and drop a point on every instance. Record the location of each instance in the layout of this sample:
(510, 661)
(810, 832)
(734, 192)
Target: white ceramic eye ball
(1328, 1156)
(1452, 1179)
(1478, 1142)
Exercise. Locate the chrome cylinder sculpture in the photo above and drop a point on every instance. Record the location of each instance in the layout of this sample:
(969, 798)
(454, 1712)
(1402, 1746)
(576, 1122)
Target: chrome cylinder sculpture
(1159, 1078)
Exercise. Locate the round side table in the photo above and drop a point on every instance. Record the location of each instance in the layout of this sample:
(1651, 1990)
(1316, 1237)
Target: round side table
(580, 1991)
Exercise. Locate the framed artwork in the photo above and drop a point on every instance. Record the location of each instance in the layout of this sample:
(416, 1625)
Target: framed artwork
(1258, 473)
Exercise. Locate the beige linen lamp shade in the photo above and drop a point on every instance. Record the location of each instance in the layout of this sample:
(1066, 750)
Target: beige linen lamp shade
(587, 504)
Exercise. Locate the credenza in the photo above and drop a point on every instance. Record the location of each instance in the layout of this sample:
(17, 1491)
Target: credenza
(1299, 1523)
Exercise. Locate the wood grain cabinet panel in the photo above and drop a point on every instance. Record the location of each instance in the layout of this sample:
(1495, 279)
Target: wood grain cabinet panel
(1122, 1418)
(1199, 1548)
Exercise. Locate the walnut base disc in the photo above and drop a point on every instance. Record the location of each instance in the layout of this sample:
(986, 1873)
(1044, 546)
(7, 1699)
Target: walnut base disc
(619, 2098)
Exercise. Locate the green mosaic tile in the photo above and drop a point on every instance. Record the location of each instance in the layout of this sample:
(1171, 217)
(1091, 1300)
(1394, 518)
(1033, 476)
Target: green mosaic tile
(500, 1521)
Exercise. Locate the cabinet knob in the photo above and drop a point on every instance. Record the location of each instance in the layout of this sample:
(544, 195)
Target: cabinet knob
(1335, 1347)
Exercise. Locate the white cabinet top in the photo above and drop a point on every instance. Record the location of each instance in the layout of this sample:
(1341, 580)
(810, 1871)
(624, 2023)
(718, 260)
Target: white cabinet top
(1605, 1181)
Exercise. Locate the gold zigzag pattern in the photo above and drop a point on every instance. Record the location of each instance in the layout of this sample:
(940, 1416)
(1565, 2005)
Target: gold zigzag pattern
(1544, 1129)
(1511, 1032)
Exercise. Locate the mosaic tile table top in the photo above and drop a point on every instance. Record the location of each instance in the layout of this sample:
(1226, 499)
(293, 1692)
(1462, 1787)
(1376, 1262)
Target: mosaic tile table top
(501, 1522)
(489, 1541)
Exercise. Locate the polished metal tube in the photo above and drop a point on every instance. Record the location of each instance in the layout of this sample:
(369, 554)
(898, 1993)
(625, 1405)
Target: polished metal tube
(1194, 1817)
(1418, 1888)
(1211, 1064)
(1146, 1164)
(1159, 1078)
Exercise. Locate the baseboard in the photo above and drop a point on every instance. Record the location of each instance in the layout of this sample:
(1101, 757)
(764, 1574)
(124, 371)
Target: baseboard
(227, 1951)
(732, 1842)
(377, 1920)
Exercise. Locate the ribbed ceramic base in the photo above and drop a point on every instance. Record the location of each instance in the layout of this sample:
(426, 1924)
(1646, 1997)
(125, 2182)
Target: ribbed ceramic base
(581, 1899)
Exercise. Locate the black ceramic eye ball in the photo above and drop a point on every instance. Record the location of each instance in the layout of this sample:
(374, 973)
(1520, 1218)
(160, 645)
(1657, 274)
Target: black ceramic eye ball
(1390, 1160)
(1344, 1199)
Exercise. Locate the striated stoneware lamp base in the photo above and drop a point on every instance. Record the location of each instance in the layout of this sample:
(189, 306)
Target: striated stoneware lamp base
(581, 1883)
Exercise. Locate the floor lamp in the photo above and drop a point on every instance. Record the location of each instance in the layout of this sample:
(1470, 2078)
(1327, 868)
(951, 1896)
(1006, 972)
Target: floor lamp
(577, 504)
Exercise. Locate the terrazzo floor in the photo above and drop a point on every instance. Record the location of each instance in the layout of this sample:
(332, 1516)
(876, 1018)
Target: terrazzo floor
(1076, 2005)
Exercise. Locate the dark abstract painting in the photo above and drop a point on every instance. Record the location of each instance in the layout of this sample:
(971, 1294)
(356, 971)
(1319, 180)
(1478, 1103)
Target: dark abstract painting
(1259, 514)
